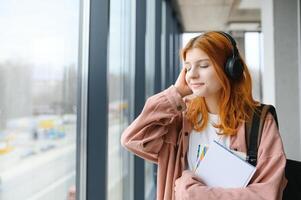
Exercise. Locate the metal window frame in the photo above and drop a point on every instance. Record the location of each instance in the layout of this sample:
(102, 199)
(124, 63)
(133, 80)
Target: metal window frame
(158, 32)
(92, 124)
(139, 96)
(171, 28)
(167, 45)
(163, 44)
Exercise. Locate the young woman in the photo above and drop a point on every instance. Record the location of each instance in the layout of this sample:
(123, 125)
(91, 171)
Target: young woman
(211, 100)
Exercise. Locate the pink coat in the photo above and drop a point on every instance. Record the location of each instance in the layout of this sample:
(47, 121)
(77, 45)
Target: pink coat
(161, 134)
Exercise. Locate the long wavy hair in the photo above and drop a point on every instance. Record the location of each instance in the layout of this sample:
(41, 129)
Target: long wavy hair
(236, 103)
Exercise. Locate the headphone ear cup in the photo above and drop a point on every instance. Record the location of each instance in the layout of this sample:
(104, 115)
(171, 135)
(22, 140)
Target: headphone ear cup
(234, 68)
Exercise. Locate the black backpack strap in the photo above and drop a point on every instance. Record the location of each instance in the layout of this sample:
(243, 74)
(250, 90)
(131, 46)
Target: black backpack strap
(252, 136)
(254, 128)
(272, 110)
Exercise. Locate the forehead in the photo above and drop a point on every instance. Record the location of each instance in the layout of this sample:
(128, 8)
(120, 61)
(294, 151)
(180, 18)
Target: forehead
(196, 55)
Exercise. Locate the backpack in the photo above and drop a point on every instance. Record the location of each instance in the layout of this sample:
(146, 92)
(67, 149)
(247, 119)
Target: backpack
(253, 130)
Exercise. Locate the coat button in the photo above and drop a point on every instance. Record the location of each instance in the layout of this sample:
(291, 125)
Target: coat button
(179, 107)
(186, 133)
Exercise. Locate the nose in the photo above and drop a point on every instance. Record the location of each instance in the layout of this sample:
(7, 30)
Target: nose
(193, 73)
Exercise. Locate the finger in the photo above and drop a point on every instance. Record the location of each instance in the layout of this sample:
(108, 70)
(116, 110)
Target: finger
(176, 185)
(189, 98)
(198, 179)
(183, 72)
(183, 78)
(181, 75)
(185, 172)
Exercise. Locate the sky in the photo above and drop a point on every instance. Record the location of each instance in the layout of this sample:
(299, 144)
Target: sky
(41, 33)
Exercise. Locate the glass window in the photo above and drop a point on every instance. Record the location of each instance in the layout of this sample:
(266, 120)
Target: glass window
(120, 78)
(38, 63)
(188, 36)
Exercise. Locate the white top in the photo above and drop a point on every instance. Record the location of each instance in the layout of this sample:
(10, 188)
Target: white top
(204, 139)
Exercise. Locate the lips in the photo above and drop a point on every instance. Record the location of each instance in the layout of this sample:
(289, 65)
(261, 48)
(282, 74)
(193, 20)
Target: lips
(196, 85)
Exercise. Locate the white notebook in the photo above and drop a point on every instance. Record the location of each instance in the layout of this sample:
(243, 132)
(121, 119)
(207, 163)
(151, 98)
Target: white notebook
(222, 168)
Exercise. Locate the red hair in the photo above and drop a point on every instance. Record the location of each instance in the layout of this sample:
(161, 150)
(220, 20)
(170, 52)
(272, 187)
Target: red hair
(236, 102)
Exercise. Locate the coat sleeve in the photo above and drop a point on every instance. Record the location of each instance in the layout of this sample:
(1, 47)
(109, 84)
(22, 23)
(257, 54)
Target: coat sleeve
(268, 181)
(160, 117)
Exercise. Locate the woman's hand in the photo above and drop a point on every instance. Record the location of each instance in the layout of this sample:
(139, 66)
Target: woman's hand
(181, 84)
(183, 183)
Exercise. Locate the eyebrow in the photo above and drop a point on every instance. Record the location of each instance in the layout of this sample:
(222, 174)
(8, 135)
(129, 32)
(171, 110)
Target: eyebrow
(198, 61)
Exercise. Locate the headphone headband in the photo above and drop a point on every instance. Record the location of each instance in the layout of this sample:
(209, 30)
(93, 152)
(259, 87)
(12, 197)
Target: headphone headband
(231, 39)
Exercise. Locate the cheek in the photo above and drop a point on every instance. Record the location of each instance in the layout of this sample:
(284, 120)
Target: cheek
(215, 84)
(213, 81)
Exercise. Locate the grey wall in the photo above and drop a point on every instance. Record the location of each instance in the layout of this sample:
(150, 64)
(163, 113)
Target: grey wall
(281, 70)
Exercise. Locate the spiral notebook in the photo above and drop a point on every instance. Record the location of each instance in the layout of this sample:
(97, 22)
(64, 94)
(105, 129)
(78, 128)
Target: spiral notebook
(222, 168)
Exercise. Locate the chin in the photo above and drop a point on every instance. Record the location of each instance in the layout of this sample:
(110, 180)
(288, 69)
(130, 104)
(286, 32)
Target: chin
(199, 93)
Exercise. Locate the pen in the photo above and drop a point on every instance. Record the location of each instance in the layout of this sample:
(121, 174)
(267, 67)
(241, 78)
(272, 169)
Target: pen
(205, 149)
(197, 165)
(197, 156)
(200, 158)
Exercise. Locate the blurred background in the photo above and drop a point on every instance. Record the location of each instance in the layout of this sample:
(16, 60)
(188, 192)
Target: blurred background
(75, 73)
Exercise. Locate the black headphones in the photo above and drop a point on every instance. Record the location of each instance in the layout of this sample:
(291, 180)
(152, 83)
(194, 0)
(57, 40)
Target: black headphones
(234, 67)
